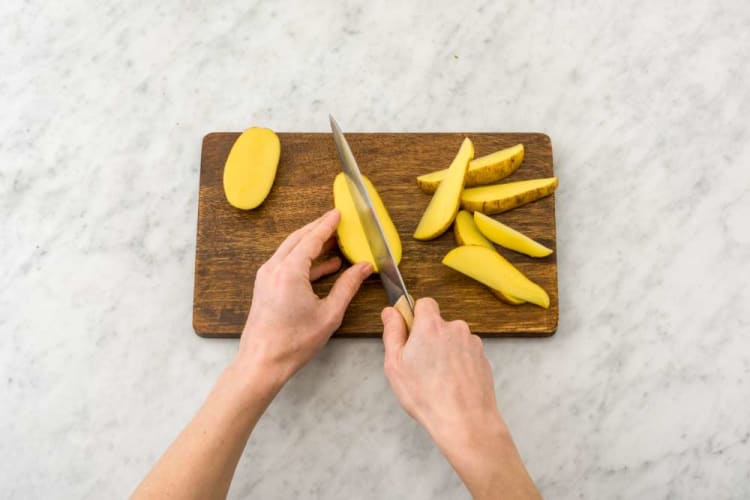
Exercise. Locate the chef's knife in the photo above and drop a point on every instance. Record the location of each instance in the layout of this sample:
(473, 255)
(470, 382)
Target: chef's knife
(393, 283)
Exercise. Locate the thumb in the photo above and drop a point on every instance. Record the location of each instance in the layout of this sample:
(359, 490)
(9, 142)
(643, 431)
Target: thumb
(346, 286)
(394, 331)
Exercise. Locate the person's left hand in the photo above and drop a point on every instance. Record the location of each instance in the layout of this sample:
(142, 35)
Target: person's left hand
(288, 323)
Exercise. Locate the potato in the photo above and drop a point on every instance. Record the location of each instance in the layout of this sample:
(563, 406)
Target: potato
(491, 269)
(250, 168)
(503, 197)
(507, 298)
(444, 203)
(483, 170)
(499, 233)
(466, 233)
(350, 234)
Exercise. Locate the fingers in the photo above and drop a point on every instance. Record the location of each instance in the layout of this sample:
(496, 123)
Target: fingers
(345, 288)
(312, 242)
(394, 331)
(426, 306)
(427, 319)
(323, 268)
(293, 239)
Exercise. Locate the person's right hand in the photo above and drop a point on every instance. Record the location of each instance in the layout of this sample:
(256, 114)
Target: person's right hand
(440, 374)
(442, 378)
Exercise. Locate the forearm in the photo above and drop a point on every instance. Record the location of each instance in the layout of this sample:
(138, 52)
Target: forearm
(486, 459)
(201, 461)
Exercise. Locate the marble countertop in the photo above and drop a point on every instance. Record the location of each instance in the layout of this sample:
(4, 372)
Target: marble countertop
(642, 393)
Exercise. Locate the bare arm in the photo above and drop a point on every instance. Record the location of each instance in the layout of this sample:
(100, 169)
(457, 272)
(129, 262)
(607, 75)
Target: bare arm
(287, 325)
(442, 378)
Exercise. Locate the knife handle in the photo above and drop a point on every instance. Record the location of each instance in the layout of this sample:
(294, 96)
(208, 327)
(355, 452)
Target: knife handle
(403, 307)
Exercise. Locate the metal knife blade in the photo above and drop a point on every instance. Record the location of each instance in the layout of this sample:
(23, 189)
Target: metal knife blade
(391, 277)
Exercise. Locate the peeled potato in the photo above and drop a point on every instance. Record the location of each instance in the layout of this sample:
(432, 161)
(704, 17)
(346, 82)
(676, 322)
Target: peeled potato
(444, 204)
(492, 270)
(250, 168)
(483, 170)
(351, 236)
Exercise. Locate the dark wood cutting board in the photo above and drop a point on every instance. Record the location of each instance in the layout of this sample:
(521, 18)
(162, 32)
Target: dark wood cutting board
(232, 244)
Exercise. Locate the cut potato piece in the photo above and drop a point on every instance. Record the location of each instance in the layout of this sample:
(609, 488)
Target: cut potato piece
(503, 197)
(507, 237)
(483, 170)
(491, 269)
(350, 233)
(250, 168)
(467, 233)
(507, 298)
(444, 203)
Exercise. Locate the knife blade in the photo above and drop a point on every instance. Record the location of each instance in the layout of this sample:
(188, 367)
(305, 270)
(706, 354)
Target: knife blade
(390, 275)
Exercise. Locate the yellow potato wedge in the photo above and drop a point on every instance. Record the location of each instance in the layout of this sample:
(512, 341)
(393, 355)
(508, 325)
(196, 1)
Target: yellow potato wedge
(507, 298)
(499, 198)
(507, 237)
(444, 204)
(483, 170)
(466, 231)
(491, 269)
(350, 234)
(250, 168)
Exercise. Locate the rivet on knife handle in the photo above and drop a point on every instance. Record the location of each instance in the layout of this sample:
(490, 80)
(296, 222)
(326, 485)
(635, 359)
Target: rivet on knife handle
(402, 306)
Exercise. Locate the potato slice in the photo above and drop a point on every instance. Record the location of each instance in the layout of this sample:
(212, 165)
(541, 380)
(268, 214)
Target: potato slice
(491, 269)
(350, 233)
(467, 233)
(507, 298)
(484, 170)
(503, 197)
(444, 203)
(250, 168)
(499, 233)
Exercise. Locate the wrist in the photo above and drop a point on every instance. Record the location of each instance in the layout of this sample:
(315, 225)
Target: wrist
(483, 454)
(470, 432)
(254, 378)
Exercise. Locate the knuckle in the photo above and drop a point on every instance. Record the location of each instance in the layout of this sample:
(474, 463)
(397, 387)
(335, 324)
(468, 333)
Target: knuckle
(427, 301)
(333, 318)
(263, 270)
(459, 326)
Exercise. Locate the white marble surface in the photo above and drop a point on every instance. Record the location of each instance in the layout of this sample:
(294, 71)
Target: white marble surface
(643, 392)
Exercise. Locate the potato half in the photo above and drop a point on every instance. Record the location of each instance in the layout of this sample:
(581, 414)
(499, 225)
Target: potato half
(250, 168)
(350, 233)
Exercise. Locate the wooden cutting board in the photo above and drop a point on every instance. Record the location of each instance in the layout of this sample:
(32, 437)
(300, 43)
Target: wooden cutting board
(232, 244)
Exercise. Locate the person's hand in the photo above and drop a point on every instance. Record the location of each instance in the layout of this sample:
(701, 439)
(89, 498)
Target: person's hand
(439, 373)
(442, 378)
(288, 323)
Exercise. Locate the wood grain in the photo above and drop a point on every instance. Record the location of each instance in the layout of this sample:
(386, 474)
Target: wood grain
(232, 244)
